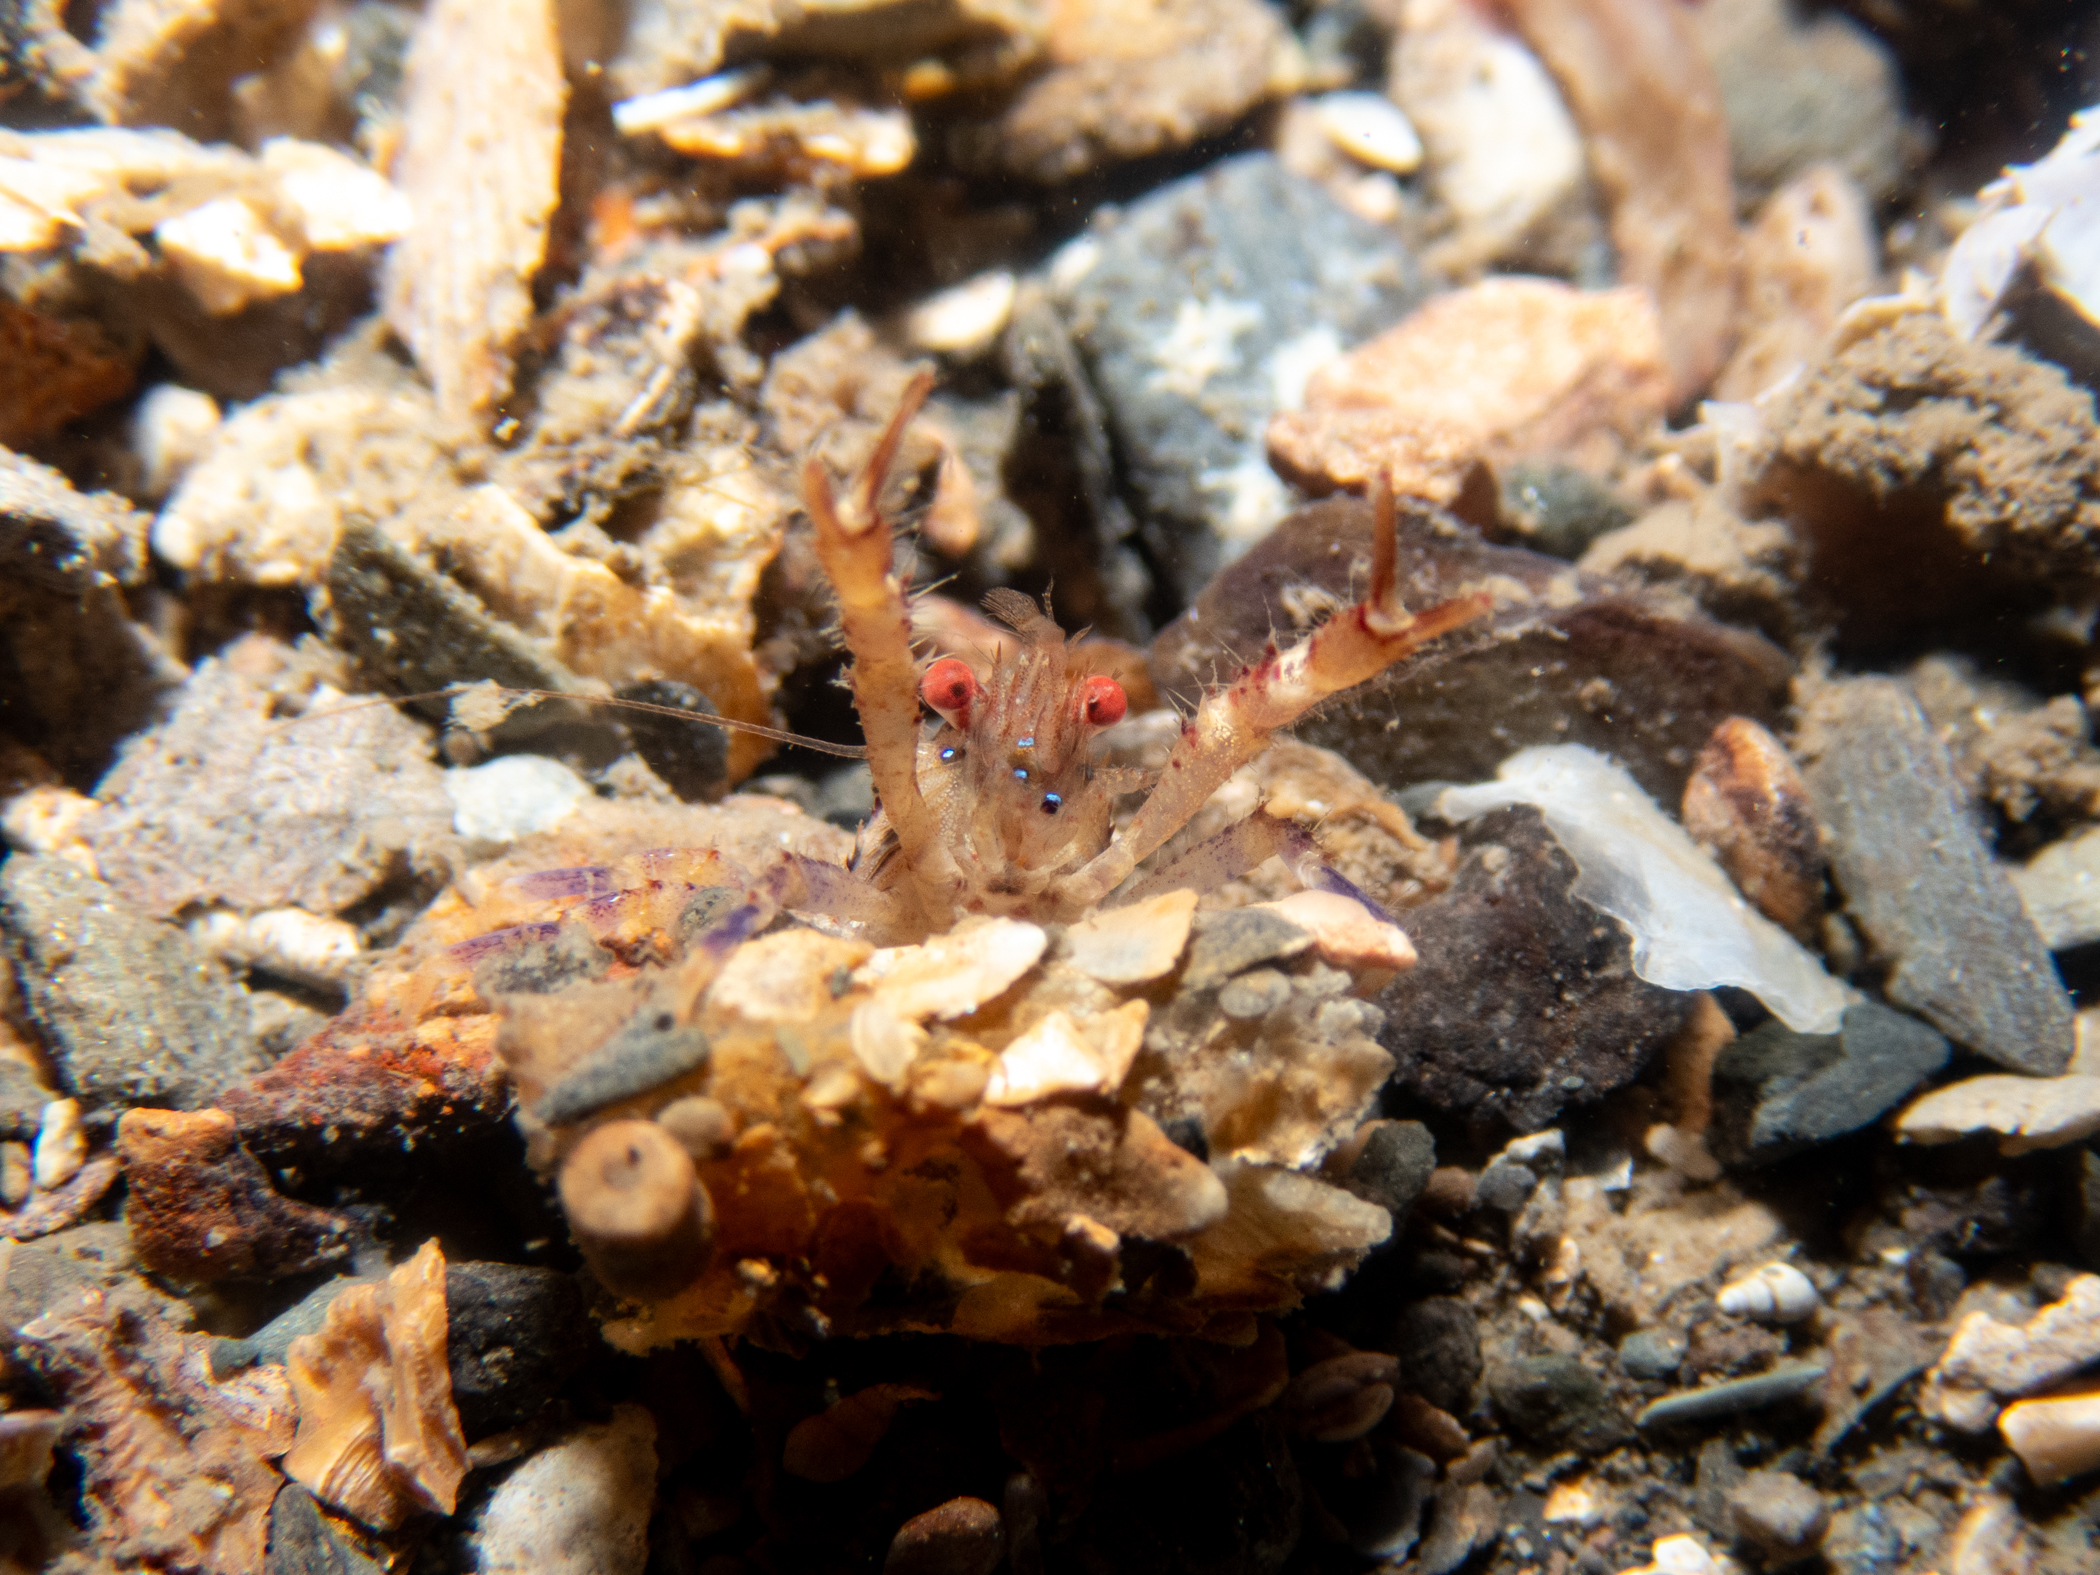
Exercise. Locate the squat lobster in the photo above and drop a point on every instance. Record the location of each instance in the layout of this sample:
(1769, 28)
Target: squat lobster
(1000, 810)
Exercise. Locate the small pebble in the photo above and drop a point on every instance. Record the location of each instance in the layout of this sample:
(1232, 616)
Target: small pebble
(1254, 995)
(15, 1174)
(965, 318)
(1371, 129)
(1651, 1353)
(579, 1507)
(1505, 1185)
(512, 797)
(1781, 1514)
(961, 1537)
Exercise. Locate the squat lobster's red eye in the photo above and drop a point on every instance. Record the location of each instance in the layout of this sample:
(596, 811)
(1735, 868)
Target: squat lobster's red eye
(1102, 702)
(949, 687)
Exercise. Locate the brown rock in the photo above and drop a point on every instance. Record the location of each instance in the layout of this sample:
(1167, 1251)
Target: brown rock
(835, 1443)
(1747, 803)
(368, 1084)
(203, 1209)
(961, 1537)
(54, 371)
(1566, 659)
(1979, 460)
(1129, 80)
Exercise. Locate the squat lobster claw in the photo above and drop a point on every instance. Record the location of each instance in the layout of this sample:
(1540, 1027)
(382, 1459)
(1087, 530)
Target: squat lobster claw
(1000, 810)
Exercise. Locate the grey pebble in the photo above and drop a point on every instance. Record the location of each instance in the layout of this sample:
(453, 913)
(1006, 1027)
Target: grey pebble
(1733, 1397)
(1254, 995)
(302, 1542)
(133, 1010)
(1199, 292)
(1231, 942)
(1394, 1166)
(1777, 1092)
(1920, 881)
(651, 1048)
(1651, 1353)
(1505, 1185)
(1557, 1403)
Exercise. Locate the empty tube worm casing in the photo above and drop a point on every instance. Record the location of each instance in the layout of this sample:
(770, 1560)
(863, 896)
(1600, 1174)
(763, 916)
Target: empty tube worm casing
(637, 1210)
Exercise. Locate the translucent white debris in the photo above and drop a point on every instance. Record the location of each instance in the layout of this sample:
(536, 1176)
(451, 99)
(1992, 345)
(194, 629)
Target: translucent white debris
(227, 256)
(1371, 129)
(2048, 210)
(169, 433)
(633, 116)
(61, 1145)
(953, 974)
(1691, 929)
(289, 942)
(512, 797)
(964, 319)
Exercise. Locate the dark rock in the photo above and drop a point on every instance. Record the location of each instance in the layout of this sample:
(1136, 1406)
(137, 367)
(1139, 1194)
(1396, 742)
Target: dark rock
(1062, 471)
(1393, 1167)
(1984, 1218)
(1227, 942)
(302, 1542)
(1920, 882)
(1438, 1342)
(513, 1335)
(273, 1341)
(691, 757)
(1381, 1508)
(58, 539)
(1568, 658)
(1651, 1353)
(1777, 1092)
(1505, 1185)
(1557, 1403)
(43, 1275)
(1234, 1503)
(1558, 509)
(133, 1010)
(961, 1537)
(76, 674)
(1196, 291)
(1525, 1000)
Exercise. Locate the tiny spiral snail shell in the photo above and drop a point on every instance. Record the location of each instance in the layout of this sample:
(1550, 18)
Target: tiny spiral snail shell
(1775, 1293)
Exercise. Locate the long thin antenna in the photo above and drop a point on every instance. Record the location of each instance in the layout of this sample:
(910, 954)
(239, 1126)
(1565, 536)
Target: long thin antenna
(732, 724)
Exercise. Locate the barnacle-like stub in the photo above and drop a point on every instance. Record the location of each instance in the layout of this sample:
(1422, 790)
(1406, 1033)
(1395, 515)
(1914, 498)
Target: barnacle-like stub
(1011, 1132)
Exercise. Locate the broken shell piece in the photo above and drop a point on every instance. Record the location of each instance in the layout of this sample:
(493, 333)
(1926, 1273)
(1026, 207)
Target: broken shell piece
(954, 974)
(288, 942)
(1775, 1293)
(2030, 1112)
(884, 1044)
(868, 142)
(379, 1437)
(1371, 129)
(227, 256)
(61, 1145)
(1132, 945)
(340, 203)
(1347, 934)
(2057, 1438)
(637, 1210)
(170, 431)
(1057, 1057)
